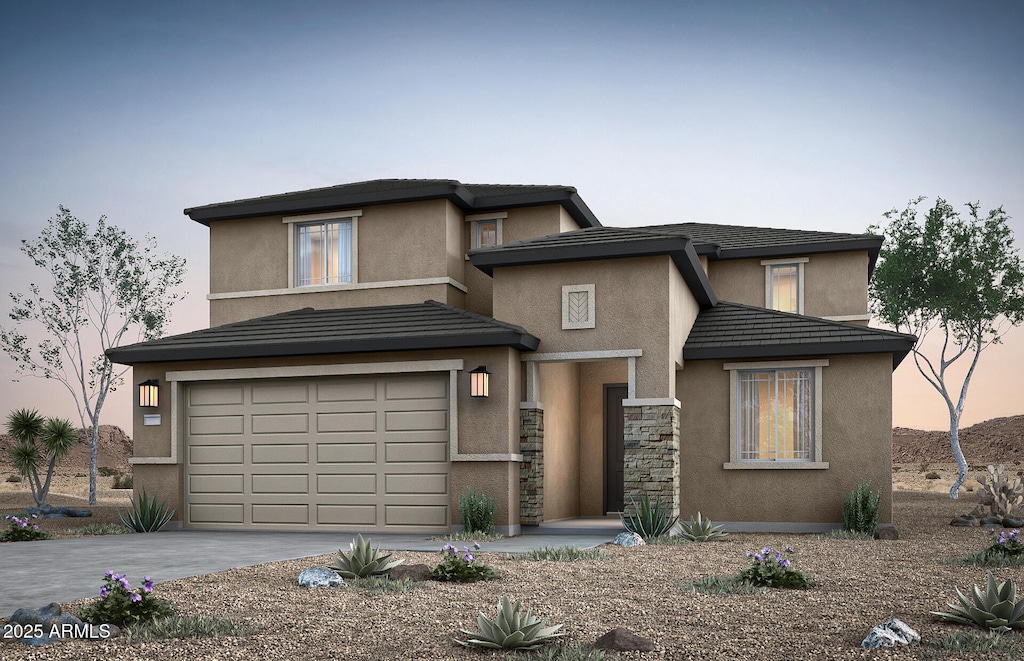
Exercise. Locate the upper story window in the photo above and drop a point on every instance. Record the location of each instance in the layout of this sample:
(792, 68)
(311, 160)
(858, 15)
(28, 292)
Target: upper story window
(784, 284)
(485, 230)
(776, 414)
(322, 249)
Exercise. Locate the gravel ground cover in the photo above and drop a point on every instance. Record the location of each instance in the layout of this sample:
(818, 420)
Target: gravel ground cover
(858, 584)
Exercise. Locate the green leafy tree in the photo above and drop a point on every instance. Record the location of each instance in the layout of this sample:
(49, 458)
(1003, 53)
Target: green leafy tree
(959, 277)
(106, 289)
(38, 440)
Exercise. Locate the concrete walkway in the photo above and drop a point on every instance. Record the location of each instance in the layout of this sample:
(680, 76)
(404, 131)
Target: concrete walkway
(62, 570)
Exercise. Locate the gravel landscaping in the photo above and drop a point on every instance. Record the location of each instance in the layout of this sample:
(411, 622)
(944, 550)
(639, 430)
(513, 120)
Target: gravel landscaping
(858, 584)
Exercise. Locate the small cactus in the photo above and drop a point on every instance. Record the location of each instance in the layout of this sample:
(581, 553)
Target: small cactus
(1003, 494)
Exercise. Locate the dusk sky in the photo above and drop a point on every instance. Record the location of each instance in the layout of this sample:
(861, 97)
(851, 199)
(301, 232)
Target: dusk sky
(807, 115)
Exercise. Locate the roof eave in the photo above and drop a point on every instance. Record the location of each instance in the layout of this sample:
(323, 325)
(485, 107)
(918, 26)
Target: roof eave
(899, 348)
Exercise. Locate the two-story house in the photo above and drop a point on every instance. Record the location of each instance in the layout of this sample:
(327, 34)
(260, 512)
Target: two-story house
(378, 348)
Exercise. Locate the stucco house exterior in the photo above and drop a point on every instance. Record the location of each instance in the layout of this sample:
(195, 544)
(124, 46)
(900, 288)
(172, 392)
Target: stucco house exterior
(729, 370)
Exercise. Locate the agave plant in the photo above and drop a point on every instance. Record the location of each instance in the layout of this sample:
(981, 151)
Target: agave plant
(648, 519)
(512, 629)
(996, 608)
(701, 530)
(146, 514)
(362, 561)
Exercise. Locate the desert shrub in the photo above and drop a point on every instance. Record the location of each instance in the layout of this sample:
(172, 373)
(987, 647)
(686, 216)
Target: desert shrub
(107, 471)
(511, 629)
(463, 536)
(385, 585)
(972, 642)
(476, 511)
(649, 519)
(184, 626)
(122, 481)
(772, 569)
(854, 535)
(1005, 550)
(721, 585)
(122, 605)
(931, 475)
(362, 561)
(99, 529)
(1001, 491)
(563, 652)
(860, 509)
(13, 478)
(565, 553)
(461, 566)
(146, 514)
(22, 529)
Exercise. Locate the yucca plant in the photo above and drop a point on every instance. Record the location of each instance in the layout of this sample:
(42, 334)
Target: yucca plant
(860, 509)
(146, 514)
(699, 529)
(649, 519)
(511, 630)
(362, 561)
(996, 608)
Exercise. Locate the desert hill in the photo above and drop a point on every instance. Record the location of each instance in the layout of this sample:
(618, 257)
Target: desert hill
(992, 441)
(113, 449)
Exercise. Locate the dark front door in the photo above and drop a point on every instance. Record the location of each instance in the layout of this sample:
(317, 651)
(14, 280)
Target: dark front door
(614, 448)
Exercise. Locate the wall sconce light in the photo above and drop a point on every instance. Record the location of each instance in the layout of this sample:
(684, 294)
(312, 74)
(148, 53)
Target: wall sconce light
(480, 382)
(149, 393)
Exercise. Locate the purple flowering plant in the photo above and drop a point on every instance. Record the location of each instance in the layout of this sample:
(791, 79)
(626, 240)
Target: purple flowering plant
(774, 569)
(461, 566)
(22, 529)
(121, 604)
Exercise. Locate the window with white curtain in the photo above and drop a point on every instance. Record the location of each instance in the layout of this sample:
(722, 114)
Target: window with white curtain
(323, 253)
(776, 415)
(784, 284)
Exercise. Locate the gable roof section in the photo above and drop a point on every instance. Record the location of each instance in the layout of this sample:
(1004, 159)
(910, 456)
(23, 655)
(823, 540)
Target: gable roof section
(601, 243)
(732, 330)
(428, 325)
(468, 197)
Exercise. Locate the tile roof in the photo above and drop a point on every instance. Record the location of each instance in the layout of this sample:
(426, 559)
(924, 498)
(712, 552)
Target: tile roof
(469, 197)
(732, 330)
(428, 325)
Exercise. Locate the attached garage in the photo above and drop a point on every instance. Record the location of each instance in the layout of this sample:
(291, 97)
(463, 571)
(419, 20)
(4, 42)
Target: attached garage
(348, 452)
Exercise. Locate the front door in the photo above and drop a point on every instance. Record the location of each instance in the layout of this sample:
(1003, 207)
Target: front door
(614, 447)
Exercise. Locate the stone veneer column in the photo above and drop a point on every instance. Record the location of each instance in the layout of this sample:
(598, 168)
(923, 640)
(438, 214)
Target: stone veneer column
(651, 458)
(531, 470)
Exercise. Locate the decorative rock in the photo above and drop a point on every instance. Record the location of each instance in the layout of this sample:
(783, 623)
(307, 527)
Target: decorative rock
(629, 539)
(1011, 522)
(991, 521)
(51, 512)
(964, 521)
(890, 634)
(56, 625)
(411, 572)
(320, 577)
(887, 533)
(624, 640)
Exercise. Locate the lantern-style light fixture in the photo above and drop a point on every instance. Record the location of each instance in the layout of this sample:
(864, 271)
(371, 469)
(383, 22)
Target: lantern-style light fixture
(480, 382)
(149, 393)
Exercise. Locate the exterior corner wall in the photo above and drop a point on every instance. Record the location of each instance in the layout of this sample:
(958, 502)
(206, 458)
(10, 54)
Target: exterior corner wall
(651, 460)
(531, 470)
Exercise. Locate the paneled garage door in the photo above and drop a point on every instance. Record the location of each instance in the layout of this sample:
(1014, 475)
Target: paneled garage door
(357, 453)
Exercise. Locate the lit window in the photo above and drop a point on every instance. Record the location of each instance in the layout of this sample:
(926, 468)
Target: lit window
(323, 253)
(776, 416)
(486, 233)
(784, 284)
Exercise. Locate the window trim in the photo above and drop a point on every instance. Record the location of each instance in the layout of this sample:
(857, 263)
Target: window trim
(351, 215)
(798, 262)
(735, 463)
(474, 221)
(590, 321)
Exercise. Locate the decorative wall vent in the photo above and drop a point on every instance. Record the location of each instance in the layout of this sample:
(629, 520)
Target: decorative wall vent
(577, 307)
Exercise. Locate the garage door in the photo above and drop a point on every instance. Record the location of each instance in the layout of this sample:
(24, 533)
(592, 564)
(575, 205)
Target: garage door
(347, 453)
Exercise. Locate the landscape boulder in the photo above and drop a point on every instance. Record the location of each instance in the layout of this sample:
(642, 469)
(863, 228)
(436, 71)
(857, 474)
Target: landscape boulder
(411, 572)
(991, 521)
(890, 634)
(1012, 522)
(964, 521)
(624, 640)
(629, 539)
(52, 512)
(54, 625)
(888, 533)
(320, 577)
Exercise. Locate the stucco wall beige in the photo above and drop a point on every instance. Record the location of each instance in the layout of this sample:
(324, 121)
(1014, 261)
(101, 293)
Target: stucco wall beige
(856, 442)
(632, 311)
(486, 426)
(164, 482)
(834, 283)
(248, 254)
(560, 385)
(530, 222)
(683, 311)
(498, 480)
(593, 376)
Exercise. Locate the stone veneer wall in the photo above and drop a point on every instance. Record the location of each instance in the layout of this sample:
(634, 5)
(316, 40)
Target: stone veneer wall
(651, 458)
(531, 470)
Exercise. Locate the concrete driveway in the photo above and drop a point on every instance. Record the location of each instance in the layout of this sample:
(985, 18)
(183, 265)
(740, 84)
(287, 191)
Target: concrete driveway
(62, 570)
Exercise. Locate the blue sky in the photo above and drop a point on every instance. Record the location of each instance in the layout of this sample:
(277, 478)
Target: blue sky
(792, 114)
